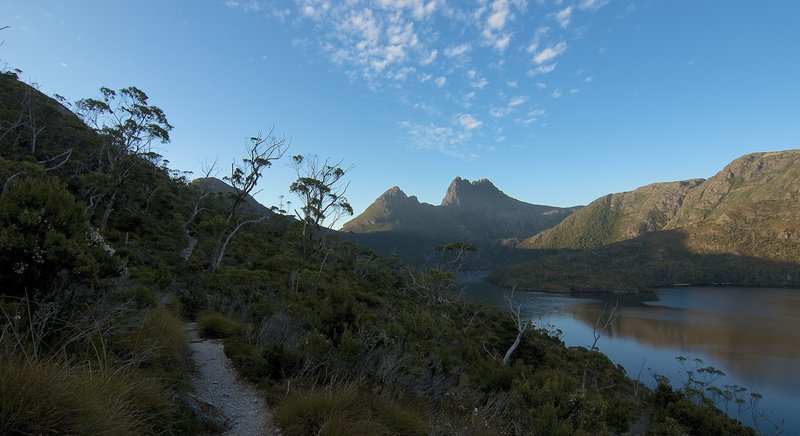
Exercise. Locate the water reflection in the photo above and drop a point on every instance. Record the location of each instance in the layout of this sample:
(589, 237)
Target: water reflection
(748, 331)
(751, 334)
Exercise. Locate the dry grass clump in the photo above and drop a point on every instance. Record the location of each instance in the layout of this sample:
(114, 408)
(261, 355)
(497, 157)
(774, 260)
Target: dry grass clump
(51, 398)
(217, 326)
(345, 410)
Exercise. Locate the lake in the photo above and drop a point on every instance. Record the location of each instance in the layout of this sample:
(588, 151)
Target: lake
(751, 334)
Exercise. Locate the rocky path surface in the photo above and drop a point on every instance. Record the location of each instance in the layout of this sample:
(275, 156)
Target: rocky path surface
(217, 387)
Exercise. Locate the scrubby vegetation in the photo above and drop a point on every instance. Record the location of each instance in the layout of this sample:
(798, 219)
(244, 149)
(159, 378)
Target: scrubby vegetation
(98, 277)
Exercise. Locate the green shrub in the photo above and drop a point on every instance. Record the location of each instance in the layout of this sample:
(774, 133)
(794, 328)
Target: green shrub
(45, 241)
(217, 326)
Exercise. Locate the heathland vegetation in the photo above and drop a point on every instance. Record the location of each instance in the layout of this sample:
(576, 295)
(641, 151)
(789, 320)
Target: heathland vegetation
(105, 252)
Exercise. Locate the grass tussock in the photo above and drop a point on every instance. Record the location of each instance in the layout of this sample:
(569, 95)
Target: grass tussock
(50, 398)
(217, 326)
(158, 343)
(345, 410)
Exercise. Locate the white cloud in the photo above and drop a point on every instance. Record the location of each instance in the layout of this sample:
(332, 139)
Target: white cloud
(538, 36)
(480, 83)
(550, 53)
(493, 33)
(541, 85)
(429, 58)
(543, 69)
(457, 50)
(419, 8)
(468, 121)
(403, 73)
(500, 11)
(557, 93)
(512, 83)
(574, 91)
(500, 112)
(564, 16)
(533, 116)
(592, 5)
(444, 139)
(588, 79)
(247, 6)
(440, 81)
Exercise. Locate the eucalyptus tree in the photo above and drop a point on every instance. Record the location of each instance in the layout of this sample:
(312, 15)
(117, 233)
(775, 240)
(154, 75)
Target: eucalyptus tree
(321, 191)
(129, 126)
(261, 152)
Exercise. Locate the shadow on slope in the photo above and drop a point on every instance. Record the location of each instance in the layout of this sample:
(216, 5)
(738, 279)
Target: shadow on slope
(649, 261)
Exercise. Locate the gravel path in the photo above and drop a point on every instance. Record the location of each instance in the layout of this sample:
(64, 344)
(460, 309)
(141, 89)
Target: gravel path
(216, 383)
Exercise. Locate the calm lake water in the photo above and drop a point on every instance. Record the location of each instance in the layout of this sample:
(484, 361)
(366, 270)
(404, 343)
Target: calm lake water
(751, 334)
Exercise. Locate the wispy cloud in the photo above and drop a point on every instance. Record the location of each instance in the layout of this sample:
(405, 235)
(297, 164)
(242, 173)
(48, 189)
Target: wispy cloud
(447, 140)
(246, 5)
(456, 60)
(591, 5)
(467, 121)
(564, 16)
(457, 50)
(494, 32)
(550, 53)
(500, 112)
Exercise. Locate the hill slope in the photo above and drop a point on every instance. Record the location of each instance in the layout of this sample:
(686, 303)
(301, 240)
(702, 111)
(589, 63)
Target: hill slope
(741, 226)
(616, 217)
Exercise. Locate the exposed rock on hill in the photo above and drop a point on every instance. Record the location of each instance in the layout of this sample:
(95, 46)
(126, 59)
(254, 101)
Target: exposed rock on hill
(617, 217)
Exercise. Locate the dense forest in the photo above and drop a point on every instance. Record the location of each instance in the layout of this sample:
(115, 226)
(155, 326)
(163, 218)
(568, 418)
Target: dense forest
(106, 252)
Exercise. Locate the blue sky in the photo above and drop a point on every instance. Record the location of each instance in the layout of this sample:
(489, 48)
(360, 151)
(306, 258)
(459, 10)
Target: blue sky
(556, 101)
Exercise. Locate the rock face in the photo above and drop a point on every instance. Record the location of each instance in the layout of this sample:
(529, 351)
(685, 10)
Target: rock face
(480, 194)
(757, 179)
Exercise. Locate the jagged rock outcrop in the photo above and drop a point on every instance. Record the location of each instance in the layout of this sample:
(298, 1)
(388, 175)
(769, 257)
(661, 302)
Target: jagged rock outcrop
(469, 210)
(476, 212)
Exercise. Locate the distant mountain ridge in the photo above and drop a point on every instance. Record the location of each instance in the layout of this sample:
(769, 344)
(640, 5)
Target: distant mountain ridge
(471, 211)
(221, 188)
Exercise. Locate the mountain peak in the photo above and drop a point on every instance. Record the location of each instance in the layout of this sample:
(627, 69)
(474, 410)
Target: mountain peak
(394, 192)
(394, 197)
(462, 192)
